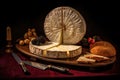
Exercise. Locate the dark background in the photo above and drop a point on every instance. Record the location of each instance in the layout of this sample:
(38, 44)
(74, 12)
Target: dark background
(101, 17)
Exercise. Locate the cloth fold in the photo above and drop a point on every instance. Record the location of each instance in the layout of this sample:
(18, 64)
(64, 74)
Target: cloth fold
(9, 68)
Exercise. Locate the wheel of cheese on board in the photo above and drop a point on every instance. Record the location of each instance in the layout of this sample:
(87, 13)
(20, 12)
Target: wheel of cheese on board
(54, 50)
(64, 25)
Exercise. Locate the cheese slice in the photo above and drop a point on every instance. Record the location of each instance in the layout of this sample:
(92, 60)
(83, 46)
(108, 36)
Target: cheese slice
(98, 58)
(83, 59)
(41, 49)
(46, 46)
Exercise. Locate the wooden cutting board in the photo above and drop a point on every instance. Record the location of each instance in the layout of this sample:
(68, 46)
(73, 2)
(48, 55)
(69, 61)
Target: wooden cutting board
(71, 61)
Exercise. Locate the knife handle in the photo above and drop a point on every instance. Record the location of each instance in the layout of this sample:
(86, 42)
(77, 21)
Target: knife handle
(24, 67)
(62, 69)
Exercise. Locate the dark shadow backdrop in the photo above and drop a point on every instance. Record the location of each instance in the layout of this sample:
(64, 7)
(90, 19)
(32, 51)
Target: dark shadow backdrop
(101, 17)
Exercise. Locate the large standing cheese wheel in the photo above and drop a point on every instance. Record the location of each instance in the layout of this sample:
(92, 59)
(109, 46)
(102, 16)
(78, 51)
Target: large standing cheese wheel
(64, 25)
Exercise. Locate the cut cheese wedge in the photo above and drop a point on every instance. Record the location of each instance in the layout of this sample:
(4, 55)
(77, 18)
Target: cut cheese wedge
(54, 50)
(83, 59)
(98, 58)
(92, 58)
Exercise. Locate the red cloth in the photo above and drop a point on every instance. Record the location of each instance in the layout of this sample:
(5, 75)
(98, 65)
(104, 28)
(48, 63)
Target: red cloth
(9, 68)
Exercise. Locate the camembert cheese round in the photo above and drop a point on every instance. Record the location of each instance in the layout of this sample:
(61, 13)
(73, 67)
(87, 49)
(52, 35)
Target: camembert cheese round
(54, 50)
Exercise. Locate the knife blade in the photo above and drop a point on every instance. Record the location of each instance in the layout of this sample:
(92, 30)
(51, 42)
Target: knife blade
(46, 66)
(20, 62)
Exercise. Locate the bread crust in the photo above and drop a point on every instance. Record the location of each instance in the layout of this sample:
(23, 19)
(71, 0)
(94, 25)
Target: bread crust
(103, 48)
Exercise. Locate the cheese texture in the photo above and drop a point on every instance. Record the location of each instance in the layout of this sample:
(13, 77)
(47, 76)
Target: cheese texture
(64, 27)
(54, 50)
(83, 59)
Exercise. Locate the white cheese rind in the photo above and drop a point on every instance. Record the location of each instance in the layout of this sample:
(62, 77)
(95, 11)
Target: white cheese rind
(56, 51)
(64, 25)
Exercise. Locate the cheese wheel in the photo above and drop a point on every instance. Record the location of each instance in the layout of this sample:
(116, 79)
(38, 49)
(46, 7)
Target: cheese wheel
(103, 48)
(64, 25)
(53, 50)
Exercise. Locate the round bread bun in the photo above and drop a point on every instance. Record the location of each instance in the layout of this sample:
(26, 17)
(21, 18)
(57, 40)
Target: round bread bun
(103, 48)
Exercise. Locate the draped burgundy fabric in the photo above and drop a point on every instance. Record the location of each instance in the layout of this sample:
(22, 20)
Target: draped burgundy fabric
(9, 68)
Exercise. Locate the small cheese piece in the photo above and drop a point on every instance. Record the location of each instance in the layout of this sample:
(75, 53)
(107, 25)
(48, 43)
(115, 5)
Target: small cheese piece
(83, 59)
(98, 58)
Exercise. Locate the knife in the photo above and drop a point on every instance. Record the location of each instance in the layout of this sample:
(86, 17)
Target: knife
(20, 62)
(46, 66)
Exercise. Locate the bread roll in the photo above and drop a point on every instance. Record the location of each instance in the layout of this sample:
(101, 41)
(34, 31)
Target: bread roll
(103, 48)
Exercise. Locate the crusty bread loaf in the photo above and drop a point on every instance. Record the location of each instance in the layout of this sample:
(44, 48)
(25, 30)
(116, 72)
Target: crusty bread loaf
(103, 48)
